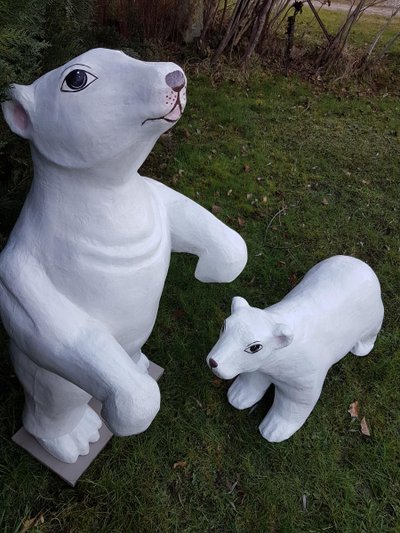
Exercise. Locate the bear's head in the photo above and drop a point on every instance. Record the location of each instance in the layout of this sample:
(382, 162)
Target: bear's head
(97, 107)
(247, 341)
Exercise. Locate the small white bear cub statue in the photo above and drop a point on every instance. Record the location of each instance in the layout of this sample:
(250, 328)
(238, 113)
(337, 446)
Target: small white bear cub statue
(335, 309)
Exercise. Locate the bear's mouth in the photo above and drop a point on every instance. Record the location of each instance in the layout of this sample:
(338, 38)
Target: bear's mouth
(172, 116)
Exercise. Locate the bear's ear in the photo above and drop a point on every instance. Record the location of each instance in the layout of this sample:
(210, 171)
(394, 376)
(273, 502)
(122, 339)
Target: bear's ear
(283, 335)
(17, 109)
(238, 303)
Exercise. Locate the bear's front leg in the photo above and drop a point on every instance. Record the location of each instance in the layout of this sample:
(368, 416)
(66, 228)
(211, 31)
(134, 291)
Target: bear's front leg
(288, 413)
(222, 252)
(248, 389)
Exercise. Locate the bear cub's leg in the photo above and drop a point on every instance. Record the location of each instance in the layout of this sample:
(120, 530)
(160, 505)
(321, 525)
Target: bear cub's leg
(248, 389)
(288, 413)
(56, 411)
(364, 345)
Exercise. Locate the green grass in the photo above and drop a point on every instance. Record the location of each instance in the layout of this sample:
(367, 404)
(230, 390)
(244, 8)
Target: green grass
(363, 31)
(307, 175)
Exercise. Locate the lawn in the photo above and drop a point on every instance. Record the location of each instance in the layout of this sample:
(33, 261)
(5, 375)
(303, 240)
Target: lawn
(302, 175)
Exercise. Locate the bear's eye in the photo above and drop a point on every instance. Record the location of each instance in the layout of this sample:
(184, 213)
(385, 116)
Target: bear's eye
(77, 80)
(254, 347)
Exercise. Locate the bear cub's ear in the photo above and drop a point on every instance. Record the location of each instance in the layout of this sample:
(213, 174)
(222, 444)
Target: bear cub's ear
(17, 109)
(283, 335)
(238, 303)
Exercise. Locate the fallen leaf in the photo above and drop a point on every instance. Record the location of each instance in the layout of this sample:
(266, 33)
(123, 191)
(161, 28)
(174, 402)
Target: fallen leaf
(249, 195)
(186, 133)
(31, 522)
(364, 427)
(217, 382)
(28, 524)
(293, 279)
(353, 409)
(216, 209)
(265, 199)
(229, 192)
(241, 222)
(304, 502)
(246, 168)
(180, 464)
(325, 201)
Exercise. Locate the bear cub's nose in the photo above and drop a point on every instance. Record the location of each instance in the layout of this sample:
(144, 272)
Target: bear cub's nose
(175, 80)
(213, 363)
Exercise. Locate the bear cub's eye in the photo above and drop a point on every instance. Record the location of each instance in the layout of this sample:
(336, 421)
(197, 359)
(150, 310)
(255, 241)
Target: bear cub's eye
(254, 348)
(77, 80)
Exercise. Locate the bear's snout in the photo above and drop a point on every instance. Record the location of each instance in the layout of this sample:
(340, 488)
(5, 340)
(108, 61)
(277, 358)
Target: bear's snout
(175, 80)
(213, 363)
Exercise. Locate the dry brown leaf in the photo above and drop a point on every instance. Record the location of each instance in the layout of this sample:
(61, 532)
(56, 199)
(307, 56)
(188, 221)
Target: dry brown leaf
(29, 523)
(325, 201)
(217, 382)
(353, 409)
(216, 209)
(241, 222)
(186, 133)
(364, 427)
(246, 168)
(180, 464)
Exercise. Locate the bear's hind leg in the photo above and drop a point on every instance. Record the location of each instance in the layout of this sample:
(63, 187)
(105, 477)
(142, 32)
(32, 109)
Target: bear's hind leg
(364, 345)
(56, 411)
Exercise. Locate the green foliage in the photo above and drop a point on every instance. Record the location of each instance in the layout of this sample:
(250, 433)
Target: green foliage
(22, 44)
(34, 37)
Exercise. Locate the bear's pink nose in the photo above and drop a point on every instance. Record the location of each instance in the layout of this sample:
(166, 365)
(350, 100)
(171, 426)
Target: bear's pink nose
(175, 80)
(213, 363)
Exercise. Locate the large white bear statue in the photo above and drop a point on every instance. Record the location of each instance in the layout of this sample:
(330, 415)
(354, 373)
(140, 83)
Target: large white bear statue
(336, 309)
(84, 268)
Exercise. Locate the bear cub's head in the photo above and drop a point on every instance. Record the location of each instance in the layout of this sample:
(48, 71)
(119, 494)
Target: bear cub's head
(247, 340)
(96, 107)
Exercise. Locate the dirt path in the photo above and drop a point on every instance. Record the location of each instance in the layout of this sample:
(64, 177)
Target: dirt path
(384, 10)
